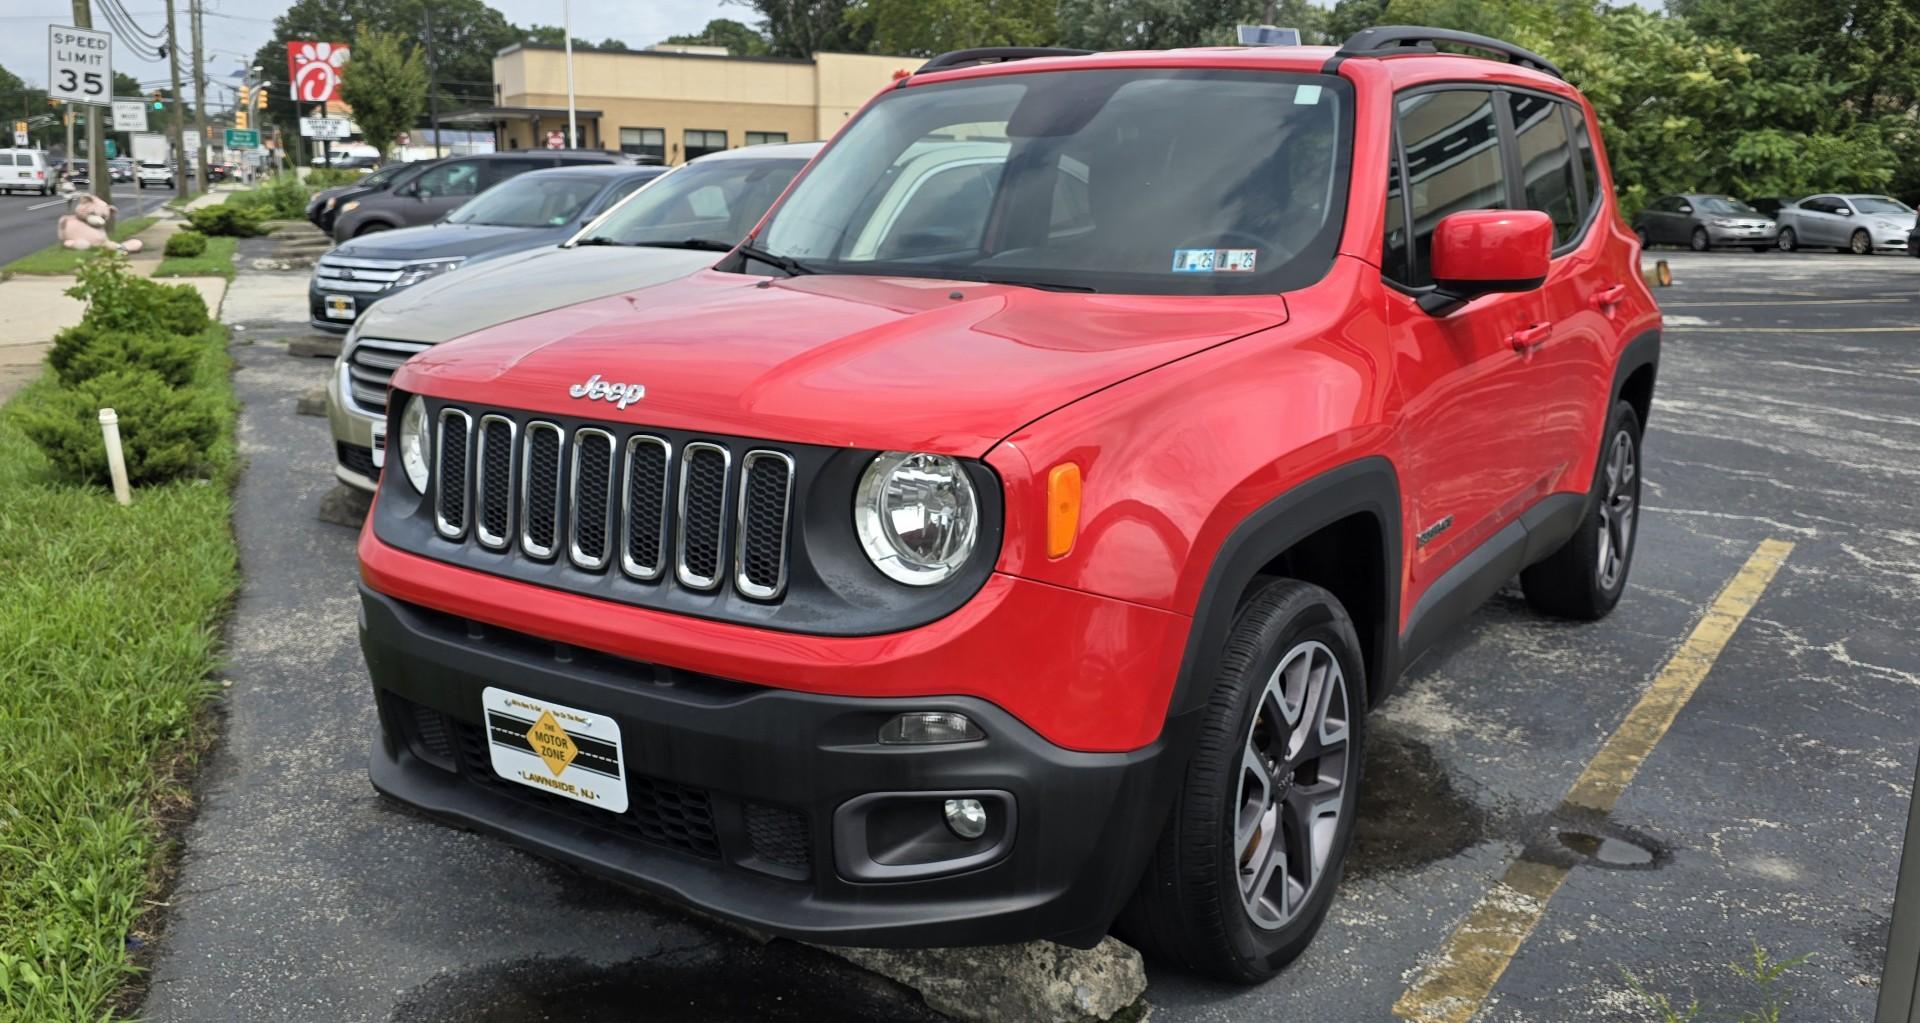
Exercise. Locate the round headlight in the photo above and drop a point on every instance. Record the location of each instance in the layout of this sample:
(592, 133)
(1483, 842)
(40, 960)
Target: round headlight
(413, 442)
(916, 516)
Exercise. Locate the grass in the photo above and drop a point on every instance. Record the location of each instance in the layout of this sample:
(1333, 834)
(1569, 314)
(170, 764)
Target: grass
(109, 638)
(57, 260)
(1761, 971)
(216, 261)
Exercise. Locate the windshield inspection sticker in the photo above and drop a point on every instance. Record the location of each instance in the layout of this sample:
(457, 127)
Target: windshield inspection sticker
(1214, 261)
(1306, 95)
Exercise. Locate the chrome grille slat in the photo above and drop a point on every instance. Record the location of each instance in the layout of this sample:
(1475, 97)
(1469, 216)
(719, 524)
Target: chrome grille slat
(643, 512)
(706, 516)
(541, 451)
(370, 365)
(450, 473)
(493, 462)
(590, 499)
(701, 549)
(766, 500)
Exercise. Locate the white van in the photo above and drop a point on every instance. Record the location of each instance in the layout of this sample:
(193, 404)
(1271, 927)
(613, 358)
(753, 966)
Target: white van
(25, 170)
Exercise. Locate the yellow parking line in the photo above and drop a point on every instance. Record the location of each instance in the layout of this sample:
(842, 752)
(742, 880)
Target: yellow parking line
(1471, 960)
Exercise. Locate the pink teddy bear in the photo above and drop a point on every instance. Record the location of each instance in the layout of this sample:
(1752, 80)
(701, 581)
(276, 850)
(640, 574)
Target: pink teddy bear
(84, 226)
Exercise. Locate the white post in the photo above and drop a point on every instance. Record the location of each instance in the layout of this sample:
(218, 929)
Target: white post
(116, 461)
(566, 28)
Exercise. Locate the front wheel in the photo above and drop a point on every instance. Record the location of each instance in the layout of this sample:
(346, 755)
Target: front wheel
(1786, 240)
(1585, 577)
(1860, 244)
(1246, 867)
(1699, 241)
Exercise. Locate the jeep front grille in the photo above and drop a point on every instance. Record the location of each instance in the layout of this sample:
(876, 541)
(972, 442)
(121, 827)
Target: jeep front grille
(370, 367)
(617, 501)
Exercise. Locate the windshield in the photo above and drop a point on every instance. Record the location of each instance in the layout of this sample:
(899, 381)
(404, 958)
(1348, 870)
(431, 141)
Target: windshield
(1879, 204)
(530, 200)
(379, 178)
(1131, 181)
(1725, 204)
(710, 200)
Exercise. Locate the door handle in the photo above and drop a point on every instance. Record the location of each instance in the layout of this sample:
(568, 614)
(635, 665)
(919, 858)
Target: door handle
(1530, 336)
(1609, 296)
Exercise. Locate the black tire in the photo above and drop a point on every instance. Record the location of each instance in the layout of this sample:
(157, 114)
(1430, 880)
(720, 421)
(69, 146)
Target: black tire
(1645, 242)
(1698, 240)
(1786, 241)
(1190, 909)
(1571, 582)
(371, 227)
(1860, 243)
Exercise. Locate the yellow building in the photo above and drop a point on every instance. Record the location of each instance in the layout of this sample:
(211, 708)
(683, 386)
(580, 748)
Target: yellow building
(673, 103)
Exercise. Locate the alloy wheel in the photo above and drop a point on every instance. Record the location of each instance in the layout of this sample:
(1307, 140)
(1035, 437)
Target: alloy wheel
(1618, 510)
(1293, 787)
(1699, 240)
(1860, 243)
(1785, 239)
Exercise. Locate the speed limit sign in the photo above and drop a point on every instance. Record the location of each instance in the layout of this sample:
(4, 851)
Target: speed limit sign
(79, 65)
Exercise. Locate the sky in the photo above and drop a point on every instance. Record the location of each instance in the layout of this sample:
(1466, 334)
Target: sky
(235, 29)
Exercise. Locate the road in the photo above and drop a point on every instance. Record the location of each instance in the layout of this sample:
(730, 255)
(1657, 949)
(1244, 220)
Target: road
(1770, 811)
(27, 221)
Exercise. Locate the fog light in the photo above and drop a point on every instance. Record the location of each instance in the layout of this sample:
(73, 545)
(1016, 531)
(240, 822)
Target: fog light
(967, 818)
(929, 727)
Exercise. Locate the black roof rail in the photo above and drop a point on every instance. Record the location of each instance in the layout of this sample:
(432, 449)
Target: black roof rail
(994, 55)
(1388, 40)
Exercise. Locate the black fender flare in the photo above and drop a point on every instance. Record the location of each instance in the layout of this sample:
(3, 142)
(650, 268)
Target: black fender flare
(1368, 486)
(1641, 352)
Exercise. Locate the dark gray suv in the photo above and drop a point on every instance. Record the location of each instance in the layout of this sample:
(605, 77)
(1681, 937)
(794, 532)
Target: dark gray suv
(437, 190)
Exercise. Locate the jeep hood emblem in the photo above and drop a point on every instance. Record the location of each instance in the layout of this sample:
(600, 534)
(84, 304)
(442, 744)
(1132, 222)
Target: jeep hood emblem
(596, 389)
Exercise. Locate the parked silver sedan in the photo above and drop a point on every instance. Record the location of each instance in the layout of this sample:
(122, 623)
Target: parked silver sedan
(1859, 224)
(1703, 221)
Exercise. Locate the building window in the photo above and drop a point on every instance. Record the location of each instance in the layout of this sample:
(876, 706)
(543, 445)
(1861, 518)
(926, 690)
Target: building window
(761, 138)
(650, 144)
(700, 143)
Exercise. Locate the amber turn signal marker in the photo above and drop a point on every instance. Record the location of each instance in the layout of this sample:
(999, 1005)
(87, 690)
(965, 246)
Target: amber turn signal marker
(1063, 508)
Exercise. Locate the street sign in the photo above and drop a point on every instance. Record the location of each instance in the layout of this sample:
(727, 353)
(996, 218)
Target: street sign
(113, 149)
(243, 138)
(19, 139)
(556, 140)
(325, 127)
(129, 115)
(79, 65)
(189, 144)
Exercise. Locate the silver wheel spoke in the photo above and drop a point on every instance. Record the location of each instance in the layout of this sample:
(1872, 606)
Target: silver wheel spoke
(1291, 791)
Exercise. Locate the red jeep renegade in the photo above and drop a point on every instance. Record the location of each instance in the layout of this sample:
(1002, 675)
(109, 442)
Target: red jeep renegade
(1008, 539)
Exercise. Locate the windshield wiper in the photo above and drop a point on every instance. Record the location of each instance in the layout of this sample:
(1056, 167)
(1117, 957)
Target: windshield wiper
(600, 240)
(792, 267)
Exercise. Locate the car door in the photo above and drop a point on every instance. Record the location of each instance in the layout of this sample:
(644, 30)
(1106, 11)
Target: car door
(440, 190)
(1659, 219)
(1469, 460)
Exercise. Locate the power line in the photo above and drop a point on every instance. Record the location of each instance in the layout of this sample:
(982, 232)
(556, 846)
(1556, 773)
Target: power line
(128, 24)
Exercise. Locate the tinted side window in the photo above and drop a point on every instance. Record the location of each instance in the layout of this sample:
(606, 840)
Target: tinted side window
(459, 177)
(1546, 163)
(497, 171)
(1453, 163)
(1393, 250)
(1589, 166)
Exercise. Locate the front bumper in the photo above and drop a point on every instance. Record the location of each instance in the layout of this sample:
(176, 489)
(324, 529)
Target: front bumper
(352, 435)
(748, 801)
(1743, 235)
(317, 316)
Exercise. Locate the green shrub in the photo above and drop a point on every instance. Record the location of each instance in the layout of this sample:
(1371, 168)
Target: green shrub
(186, 244)
(165, 431)
(331, 177)
(280, 197)
(120, 300)
(226, 219)
(84, 352)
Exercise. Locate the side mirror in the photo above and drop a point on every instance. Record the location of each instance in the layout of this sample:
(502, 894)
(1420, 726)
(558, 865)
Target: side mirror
(1479, 252)
(1684, 208)
(1845, 211)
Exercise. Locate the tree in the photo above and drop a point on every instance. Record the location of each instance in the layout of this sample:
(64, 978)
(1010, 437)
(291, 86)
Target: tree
(613, 45)
(552, 35)
(739, 40)
(386, 85)
(1154, 24)
(922, 28)
(125, 84)
(802, 28)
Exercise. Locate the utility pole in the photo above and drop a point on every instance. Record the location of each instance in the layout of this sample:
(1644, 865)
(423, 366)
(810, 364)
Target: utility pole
(96, 137)
(433, 90)
(199, 98)
(179, 118)
(566, 20)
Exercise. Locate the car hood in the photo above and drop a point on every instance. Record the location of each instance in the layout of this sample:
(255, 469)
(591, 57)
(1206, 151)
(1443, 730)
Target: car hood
(845, 361)
(521, 284)
(434, 241)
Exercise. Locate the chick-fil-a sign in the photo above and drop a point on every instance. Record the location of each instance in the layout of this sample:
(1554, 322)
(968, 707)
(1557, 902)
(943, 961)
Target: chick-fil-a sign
(314, 70)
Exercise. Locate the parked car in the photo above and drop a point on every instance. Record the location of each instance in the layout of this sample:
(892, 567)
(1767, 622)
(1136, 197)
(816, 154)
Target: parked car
(668, 229)
(437, 190)
(1850, 223)
(1703, 221)
(1769, 205)
(1025, 555)
(324, 205)
(26, 170)
(160, 174)
(539, 209)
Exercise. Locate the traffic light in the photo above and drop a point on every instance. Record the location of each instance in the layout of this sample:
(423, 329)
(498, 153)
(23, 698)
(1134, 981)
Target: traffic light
(159, 102)
(54, 103)
(240, 117)
(260, 99)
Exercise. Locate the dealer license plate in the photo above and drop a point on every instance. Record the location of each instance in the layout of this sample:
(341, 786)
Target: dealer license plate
(562, 750)
(339, 307)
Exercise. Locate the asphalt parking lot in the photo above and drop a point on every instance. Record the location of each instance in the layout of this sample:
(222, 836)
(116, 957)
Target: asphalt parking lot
(1770, 811)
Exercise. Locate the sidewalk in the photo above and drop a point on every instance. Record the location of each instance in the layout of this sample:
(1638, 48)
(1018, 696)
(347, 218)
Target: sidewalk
(35, 308)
